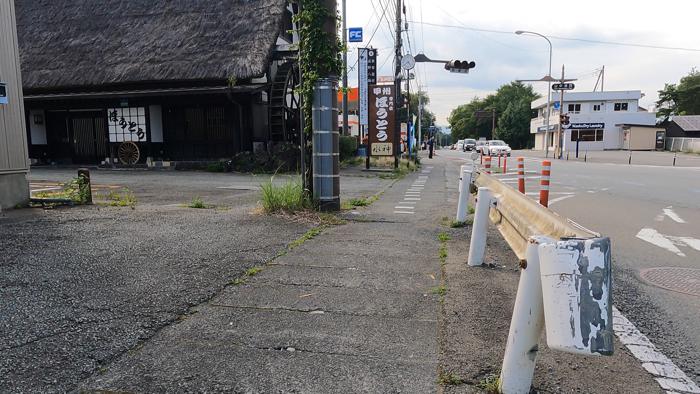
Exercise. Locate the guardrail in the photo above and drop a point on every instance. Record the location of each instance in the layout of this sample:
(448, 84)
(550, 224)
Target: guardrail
(565, 282)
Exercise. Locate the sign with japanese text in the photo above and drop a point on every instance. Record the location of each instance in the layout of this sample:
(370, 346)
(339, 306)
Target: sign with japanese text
(367, 75)
(381, 120)
(126, 124)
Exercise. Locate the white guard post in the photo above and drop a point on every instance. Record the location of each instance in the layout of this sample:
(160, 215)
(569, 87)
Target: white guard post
(477, 245)
(525, 325)
(577, 294)
(465, 179)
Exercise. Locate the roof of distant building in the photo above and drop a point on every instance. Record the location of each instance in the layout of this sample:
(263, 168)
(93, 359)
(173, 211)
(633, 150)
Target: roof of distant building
(570, 97)
(86, 43)
(687, 122)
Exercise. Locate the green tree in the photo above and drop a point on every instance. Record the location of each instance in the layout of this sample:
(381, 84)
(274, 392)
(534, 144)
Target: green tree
(427, 118)
(680, 99)
(516, 130)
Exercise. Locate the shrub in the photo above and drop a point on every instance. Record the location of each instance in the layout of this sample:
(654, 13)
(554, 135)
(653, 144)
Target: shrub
(347, 147)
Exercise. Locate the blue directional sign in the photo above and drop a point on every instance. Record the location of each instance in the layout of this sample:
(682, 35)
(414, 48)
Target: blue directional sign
(355, 34)
(557, 105)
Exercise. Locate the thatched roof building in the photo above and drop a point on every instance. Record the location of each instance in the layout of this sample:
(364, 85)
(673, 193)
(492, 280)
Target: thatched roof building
(67, 44)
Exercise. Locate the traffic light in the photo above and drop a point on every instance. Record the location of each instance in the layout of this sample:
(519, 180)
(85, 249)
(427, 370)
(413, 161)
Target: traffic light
(564, 119)
(459, 66)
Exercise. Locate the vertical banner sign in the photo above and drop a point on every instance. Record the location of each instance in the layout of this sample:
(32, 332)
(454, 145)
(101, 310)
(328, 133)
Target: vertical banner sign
(367, 75)
(381, 120)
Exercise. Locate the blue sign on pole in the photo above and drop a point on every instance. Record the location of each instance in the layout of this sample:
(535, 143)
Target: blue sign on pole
(355, 34)
(557, 105)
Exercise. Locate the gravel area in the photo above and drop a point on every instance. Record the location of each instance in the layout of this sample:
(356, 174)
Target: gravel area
(81, 286)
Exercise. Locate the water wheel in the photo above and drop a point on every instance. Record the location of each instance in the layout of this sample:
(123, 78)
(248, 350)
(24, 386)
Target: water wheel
(284, 103)
(128, 153)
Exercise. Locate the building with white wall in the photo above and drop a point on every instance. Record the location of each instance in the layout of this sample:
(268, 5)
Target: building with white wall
(595, 119)
(14, 162)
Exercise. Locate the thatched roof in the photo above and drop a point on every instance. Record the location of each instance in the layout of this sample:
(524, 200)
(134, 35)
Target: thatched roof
(86, 43)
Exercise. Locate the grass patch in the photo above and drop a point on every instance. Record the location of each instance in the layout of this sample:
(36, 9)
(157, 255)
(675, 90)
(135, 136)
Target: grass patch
(216, 167)
(443, 237)
(253, 271)
(489, 383)
(359, 202)
(307, 236)
(449, 379)
(121, 198)
(238, 281)
(352, 162)
(439, 290)
(76, 190)
(329, 219)
(198, 203)
(442, 253)
(289, 197)
(457, 224)
(470, 210)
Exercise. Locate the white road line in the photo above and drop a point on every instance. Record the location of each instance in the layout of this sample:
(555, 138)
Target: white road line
(666, 373)
(407, 202)
(555, 200)
(683, 241)
(668, 211)
(402, 207)
(405, 212)
(655, 238)
(411, 199)
(47, 189)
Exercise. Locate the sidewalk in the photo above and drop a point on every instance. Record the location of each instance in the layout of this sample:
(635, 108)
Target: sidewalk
(350, 310)
(647, 158)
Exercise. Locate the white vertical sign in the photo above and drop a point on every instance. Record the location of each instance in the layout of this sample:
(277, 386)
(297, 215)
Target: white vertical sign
(362, 80)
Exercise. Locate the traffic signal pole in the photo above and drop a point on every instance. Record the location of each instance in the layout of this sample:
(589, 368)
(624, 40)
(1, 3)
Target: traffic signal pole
(559, 148)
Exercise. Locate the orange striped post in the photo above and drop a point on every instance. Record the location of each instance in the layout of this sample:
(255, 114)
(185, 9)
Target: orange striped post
(499, 159)
(521, 175)
(505, 160)
(487, 164)
(544, 182)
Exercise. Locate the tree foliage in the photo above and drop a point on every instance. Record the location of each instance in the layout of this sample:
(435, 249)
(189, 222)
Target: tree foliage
(428, 117)
(511, 103)
(682, 98)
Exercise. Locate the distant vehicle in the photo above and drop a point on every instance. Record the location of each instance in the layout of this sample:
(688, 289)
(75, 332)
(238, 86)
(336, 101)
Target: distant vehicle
(481, 146)
(498, 147)
(460, 145)
(469, 144)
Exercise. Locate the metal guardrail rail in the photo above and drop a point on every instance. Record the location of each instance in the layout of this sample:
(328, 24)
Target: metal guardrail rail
(518, 217)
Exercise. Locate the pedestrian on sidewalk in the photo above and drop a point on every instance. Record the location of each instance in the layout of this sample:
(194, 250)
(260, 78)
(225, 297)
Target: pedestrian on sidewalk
(431, 142)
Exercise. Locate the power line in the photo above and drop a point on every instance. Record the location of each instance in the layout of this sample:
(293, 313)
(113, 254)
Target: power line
(648, 46)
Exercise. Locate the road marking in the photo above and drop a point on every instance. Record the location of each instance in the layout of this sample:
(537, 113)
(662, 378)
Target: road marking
(654, 237)
(407, 202)
(411, 199)
(401, 207)
(405, 212)
(668, 211)
(555, 200)
(665, 372)
(683, 241)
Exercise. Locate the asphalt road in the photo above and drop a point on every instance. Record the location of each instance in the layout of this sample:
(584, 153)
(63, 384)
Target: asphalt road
(651, 214)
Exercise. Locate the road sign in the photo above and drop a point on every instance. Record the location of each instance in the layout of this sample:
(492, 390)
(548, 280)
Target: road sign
(563, 86)
(367, 75)
(3, 93)
(557, 105)
(355, 34)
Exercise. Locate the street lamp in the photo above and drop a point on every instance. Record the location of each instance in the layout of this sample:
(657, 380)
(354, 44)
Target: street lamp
(549, 87)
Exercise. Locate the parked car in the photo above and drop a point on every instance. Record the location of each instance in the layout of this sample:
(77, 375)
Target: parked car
(481, 146)
(498, 147)
(469, 144)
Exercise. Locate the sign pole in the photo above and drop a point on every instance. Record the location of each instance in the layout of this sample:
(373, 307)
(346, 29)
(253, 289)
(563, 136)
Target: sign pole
(559, 150)
(346, 130)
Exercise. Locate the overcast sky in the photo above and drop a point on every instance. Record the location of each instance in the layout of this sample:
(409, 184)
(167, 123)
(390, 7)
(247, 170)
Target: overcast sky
(503, 57)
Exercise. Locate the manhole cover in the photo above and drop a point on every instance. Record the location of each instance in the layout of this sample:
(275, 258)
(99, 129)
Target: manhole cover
(682, 280)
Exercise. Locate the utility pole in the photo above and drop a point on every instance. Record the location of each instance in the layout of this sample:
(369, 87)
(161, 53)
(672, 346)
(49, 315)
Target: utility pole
(397, 84)
(345, 73)
(493, 122)
(419, 142)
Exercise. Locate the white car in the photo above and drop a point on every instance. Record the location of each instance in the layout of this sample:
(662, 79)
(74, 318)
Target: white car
(498, 148)
(460, 145)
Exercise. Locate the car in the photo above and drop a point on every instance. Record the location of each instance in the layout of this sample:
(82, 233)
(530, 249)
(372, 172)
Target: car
(498, 148)
(469, 144)
(480, 146)
(460, 145)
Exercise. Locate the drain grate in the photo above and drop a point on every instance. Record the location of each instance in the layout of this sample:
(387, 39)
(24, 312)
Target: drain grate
(682, 280)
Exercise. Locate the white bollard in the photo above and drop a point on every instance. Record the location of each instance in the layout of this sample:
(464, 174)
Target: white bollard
(477, 245)
(525, 325)
(465, 180)
(461, 172)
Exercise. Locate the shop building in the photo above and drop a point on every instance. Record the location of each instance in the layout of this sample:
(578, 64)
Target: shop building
(596, 119)
(135, 82)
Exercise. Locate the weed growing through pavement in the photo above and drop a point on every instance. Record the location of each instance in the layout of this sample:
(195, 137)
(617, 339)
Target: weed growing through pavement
(490, 383)
(289, 197)
(470, 210)
(307, 236)
(457, 224)
(197, 203)
(76, 190)
(238, 281)
(253, 271)
(449, 379)
(442, 254)
(443, 237)
(122, 198)
(439, 290)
